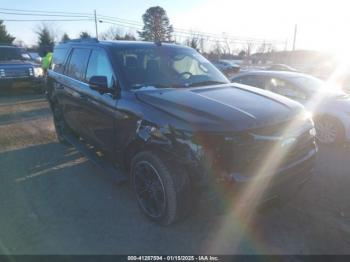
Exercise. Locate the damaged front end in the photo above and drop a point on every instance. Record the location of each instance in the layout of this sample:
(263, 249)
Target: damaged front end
(233, 159)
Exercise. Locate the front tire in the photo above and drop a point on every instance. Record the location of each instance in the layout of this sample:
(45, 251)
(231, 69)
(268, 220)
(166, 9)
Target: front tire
(162, 188)
(329, 131)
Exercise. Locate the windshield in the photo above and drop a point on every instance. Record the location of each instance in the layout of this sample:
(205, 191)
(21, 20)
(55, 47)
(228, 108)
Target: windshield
(10, 53)
(165, 66)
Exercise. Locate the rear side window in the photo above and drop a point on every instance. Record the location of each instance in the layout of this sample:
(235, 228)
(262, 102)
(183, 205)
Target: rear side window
(59, 56)
(77, 64)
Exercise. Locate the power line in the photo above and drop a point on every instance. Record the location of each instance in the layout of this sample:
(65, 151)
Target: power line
(189, 32)
(44, 20)
(37, 11)
(180, 33)
(13, 13)
(128, 24)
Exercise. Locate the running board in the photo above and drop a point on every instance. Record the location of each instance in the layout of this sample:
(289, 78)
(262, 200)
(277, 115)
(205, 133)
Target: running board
(108, 169)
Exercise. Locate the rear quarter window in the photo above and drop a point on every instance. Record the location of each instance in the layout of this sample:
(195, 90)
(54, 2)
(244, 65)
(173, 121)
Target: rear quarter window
(59, 57)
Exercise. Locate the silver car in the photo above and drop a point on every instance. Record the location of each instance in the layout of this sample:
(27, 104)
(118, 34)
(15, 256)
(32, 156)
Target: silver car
(329, 106)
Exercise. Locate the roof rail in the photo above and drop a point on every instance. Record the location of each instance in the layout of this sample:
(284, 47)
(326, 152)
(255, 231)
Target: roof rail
(79, 40)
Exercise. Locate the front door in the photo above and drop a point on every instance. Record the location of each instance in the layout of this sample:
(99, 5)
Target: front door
(100, 109)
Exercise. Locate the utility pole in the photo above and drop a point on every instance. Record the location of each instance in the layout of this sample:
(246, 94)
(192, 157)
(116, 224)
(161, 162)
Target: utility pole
(295, 36)
(202, 45)
(286, 44)
(96, 24)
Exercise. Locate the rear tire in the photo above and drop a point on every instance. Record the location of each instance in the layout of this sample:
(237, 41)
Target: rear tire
(60, 124)
(162, 188)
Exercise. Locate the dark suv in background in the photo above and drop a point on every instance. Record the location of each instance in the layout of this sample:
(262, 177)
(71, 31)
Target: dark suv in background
(16, 71)
(176, 125)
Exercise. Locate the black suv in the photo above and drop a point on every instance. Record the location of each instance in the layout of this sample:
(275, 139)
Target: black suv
(18, 72)
(177, 125)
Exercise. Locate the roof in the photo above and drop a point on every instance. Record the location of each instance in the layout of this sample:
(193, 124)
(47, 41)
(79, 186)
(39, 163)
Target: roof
(8, 45)
(120, 43)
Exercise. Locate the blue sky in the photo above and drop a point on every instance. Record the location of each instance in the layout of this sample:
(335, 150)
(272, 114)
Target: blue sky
(322, 24)
(129, 9)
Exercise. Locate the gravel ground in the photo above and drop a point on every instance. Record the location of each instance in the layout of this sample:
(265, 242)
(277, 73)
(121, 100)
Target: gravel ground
(54, 201)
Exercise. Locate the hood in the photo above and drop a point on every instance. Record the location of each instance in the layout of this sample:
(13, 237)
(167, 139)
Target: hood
(229, 107)
(16, 63)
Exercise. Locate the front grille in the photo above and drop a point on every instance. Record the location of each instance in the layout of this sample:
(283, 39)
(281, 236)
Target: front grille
(303, 145)
(15, 72)
(249, 156)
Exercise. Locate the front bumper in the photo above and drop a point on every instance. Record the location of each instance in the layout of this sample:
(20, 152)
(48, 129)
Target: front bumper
(288, 181)
(257, 190)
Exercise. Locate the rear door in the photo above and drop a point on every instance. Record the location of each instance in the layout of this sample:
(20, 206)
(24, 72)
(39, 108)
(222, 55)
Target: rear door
(75, 89)
(100, 109)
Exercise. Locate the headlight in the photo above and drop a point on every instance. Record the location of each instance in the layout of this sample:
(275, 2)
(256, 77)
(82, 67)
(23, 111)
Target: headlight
(312, 131)
(38, 72)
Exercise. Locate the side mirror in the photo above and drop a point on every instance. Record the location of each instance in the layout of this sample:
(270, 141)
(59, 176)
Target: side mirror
(100, 84)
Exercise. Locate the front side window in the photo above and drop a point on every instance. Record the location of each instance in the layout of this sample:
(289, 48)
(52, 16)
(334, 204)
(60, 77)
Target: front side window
(255, 81)
(99, 65)
(285, 88)
(165, 66)
(77, 64)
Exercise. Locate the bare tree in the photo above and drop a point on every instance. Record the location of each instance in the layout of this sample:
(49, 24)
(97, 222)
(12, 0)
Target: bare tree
(262, 48)
(65, 37)
(227, 50)
(193, 41)
(112, 33)
(249, 48)
(242, 54)
(84, 34)
(19, 42)
(218, 50)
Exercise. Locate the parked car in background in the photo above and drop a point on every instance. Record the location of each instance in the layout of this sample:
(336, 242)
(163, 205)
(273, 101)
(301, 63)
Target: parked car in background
(229, 69)
(330, 106)
(25, 55)
(35, 57)
(18, 72)
(342, 80)
(281, 67)
(176, 124)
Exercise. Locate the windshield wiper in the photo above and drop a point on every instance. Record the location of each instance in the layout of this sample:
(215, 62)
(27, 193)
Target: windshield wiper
(140, 86)
(157, 86)
(206, 83)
